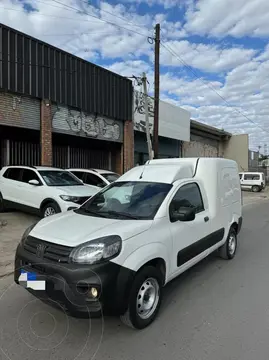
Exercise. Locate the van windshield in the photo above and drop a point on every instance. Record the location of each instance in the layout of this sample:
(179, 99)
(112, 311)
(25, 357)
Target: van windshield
(127, 200)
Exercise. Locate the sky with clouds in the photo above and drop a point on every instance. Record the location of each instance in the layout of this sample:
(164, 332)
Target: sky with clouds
(214, 54)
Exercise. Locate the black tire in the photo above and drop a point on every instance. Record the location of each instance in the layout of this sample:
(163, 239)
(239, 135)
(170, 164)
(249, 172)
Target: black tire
(2, 207)
(55, 209)
(255, 188)
(226, 251)
(149, 275)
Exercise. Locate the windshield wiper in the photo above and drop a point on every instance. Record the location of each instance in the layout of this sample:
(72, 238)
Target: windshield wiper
(119, 214)
(90, 212)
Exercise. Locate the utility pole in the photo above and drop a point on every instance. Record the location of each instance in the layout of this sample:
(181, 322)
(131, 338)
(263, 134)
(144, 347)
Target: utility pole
(156, 92)
(259, 150)
(145, 90)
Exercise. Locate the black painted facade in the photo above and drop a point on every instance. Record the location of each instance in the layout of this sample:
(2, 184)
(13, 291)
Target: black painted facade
(31, 67)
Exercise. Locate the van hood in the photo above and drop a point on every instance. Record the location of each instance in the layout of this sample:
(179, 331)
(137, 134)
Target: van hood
(78, 190)
(73, 229)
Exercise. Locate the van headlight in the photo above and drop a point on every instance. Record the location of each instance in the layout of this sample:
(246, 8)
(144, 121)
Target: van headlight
(96, 251)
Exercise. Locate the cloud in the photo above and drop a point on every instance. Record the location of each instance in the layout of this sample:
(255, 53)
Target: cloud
(229, 71)
(167, 4)
(228, 17)
(130, 68)
(79, 32)
(209, 58)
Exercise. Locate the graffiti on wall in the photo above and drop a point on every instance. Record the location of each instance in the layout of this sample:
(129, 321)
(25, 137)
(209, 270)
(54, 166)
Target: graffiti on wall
(88, 125)
(139, 111)
(196, 149)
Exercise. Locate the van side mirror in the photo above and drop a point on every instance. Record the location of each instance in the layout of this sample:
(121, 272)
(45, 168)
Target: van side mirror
(183, 214)
(34, 182)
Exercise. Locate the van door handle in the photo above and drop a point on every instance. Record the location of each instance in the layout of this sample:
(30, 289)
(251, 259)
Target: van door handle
(206, 219)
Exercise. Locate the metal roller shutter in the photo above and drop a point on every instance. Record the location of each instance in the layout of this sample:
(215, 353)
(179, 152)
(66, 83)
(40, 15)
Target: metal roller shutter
(24, 153)
(78, 157)
(19, 111)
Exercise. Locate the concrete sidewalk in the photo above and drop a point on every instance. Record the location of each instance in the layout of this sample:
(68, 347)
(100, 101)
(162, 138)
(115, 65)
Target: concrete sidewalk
(12, 227)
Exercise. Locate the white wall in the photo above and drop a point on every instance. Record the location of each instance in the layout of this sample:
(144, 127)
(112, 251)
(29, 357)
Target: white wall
(174, 122)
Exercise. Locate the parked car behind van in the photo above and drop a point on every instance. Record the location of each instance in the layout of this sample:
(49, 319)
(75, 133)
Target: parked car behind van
(116, 253)
(40, 190)
(254, 181)
(95, 177)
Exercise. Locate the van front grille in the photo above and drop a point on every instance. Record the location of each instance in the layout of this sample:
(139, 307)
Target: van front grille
(46, 250)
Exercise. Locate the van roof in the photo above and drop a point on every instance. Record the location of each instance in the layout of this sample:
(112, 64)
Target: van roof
(169, 170)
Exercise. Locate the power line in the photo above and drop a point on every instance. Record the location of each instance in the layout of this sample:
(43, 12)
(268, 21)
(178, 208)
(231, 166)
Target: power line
(110, 13)
(72, 18)
(48, 15)
(67, 7)
(100, 19)
(102, 31)
(102, 10)
(210, 86)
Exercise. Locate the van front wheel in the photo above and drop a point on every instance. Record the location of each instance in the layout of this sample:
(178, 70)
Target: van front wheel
(228, 249)
(145, 298)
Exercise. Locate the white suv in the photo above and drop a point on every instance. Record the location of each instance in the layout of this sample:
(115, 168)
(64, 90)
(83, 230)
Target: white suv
(95, 177)
(42, 190)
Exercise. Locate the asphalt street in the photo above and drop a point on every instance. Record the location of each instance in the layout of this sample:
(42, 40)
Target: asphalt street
(217, 310)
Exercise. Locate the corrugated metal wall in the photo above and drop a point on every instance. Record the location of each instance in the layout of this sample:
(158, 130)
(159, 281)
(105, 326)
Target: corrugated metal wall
(2, 152)
(24, 153)
(20, 111)
(31, 67)
(77, 157)
(60, 156)
(87, 158)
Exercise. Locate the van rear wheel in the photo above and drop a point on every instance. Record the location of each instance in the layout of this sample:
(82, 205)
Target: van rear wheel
(145, 298)
(228, 249)
(255, 188)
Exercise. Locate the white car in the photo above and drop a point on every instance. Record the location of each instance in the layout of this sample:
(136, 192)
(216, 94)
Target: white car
(95, 177)
(254, 181)
(116, 256)
(42, 190)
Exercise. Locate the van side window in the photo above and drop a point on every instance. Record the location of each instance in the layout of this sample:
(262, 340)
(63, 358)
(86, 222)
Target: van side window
(252, 177)
(188, 195)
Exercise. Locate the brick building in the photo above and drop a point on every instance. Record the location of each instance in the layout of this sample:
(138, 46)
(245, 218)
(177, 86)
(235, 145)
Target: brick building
(57, 109)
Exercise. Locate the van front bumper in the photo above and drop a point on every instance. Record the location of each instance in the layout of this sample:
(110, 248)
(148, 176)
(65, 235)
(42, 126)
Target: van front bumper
(71, 285)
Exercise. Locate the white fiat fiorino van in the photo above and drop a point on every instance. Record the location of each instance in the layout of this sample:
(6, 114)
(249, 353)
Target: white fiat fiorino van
(120, 248)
